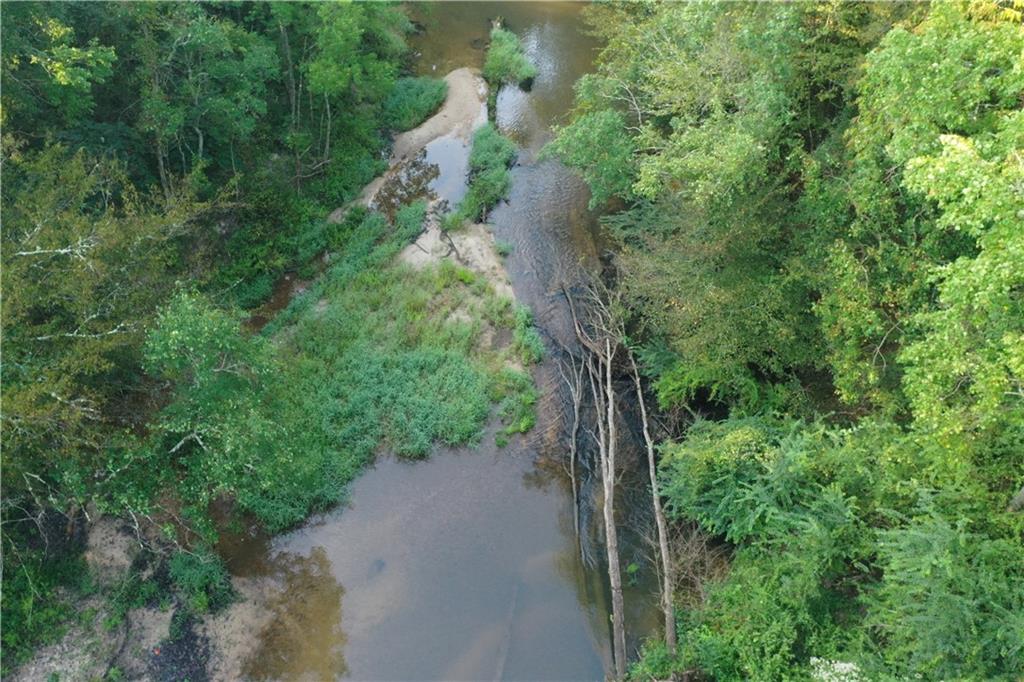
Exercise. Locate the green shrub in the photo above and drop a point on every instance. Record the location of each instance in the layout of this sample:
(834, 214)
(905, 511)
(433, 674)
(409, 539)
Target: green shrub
(202, 579)
(490, 149)
(846, 552)
(951, 602)
(506, 62)
(34, 608)
(409, 220)
(517, 399)
(412, 101)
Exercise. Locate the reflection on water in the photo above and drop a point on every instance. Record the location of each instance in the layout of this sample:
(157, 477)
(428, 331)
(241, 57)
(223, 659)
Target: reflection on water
(304, 638)
(437, 172)
(464, 566)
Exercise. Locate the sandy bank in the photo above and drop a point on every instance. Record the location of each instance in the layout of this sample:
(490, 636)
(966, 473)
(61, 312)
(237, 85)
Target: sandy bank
(464, 110)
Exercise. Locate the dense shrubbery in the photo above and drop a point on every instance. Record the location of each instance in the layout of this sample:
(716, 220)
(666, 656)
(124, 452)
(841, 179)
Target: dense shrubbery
(822, 216)
(859, 545)
(413, 101)
(506, 63)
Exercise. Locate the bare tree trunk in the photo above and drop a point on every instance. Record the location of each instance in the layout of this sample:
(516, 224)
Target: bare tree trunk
(575, 387)
(165, 182)
(290, 75)
(614, 569)
(199, 136)
(600, 335)
(327, 138)
(667, 573)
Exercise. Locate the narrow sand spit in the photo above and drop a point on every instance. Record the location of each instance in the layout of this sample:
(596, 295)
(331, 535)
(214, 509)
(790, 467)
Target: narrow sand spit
(463, 111)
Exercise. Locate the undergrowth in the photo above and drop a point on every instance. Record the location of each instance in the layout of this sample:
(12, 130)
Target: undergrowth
(414, 100)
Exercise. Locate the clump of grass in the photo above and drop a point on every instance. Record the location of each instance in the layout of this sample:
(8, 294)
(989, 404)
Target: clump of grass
(489, 179)
(490, 150)
(525, 338)
(516, 396)
(202, 580)
(503, 248)
(382, 362)
(413, 101)
(506, 63)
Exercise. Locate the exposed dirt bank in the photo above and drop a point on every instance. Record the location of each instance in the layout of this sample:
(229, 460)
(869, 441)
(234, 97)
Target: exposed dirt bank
(472, 247)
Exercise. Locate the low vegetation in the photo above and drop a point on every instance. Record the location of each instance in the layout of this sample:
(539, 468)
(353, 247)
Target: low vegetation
(413, 101)
(506, 63)
(491, 157)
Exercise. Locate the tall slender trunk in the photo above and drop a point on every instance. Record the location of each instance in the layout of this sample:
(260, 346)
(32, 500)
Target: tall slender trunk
(575, 387)
(614, 569)
(289, 75)
(201, 139)
(327, 138)
(165, 181)
(667, 575)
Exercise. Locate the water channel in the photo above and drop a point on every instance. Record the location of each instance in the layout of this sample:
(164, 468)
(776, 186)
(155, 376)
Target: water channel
(466, 566)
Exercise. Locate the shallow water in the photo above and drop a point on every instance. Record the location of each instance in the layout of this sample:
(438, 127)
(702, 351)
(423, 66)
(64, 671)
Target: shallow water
(465, 566)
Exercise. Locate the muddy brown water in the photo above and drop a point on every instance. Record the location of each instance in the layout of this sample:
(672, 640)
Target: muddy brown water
(465, 566)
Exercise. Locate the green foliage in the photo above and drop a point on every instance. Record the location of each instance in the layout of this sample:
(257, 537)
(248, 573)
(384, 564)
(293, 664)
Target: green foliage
(413, 101)
(597, 146)
(131, 592)
(490, 150)
(517, 398)
(951, 602)
(846, 552)
(525, 338)
(35, 605)
(202, 579)
(505, 62)
(489, 179)
(822, 206)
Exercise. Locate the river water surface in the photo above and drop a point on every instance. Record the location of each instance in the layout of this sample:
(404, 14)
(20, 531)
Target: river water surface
(464, 566)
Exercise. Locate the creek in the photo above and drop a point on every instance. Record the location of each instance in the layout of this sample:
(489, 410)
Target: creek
(466, 566)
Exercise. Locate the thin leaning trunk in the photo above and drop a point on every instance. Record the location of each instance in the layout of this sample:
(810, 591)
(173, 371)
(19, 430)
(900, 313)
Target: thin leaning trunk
(667, 575)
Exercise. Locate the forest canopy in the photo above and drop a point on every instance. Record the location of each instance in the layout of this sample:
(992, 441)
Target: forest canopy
(820, 208)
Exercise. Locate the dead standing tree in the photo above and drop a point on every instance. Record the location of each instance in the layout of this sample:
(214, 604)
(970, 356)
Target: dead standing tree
(601, 333)
(667, 572)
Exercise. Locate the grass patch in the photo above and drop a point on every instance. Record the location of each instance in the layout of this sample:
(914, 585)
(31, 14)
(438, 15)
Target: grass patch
(413, 101)
(516, 396)
(376, 355)
(506, 63)
(36, 605)
(202, 580)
